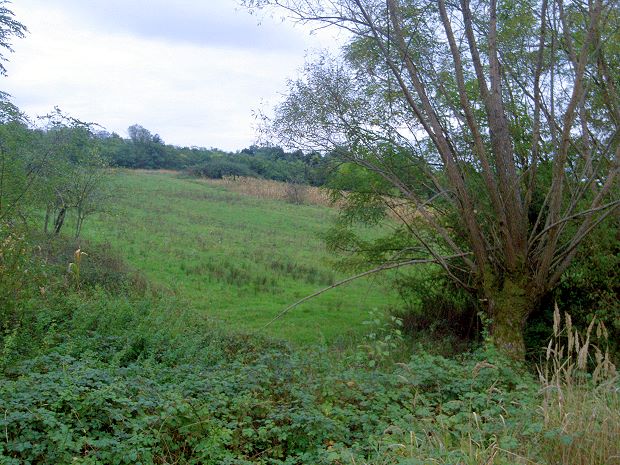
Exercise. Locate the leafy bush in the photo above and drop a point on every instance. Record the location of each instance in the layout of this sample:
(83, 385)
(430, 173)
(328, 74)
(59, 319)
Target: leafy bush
(588, 291)
(433, 306)
(21, 280)
(101, 266)
(263, 405)
(16, 280)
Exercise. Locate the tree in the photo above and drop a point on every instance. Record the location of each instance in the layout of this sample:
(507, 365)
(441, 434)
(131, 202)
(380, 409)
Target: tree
(9, 28)
(74, 174)
(18, 166)
(510, 111)
(149, 150)
(13, 186)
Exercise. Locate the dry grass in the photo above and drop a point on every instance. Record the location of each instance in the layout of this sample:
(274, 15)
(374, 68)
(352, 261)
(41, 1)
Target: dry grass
(398, 210)
(275, 190)
(581, 405)
(150, 171)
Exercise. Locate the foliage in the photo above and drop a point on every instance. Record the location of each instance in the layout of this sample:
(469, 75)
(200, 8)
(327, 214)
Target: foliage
(9, 28)
(143, 150)
(220, 168)
(111, 378)
(72, 174)
(53, 165)
(591, 286)
(383, 338)
(588, 291)
(17, 278)
(98, 365)
(19, 163)
(267, 163)
(114, 379)
(453, 111)
(108, 372)
(435, 306)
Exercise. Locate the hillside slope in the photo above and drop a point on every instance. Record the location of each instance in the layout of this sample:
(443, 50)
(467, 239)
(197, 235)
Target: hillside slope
(238, 258)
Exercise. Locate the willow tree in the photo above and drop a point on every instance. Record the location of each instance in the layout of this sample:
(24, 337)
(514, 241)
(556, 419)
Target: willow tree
(511, 110)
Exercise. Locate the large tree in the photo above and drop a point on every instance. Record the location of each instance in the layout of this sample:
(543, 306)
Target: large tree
(510, 110)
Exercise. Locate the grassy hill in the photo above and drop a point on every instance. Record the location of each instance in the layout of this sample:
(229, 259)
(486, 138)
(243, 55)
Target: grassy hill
(238, 258)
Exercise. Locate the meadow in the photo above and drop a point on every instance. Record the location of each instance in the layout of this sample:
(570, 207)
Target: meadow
(236, 257)
(147, 346)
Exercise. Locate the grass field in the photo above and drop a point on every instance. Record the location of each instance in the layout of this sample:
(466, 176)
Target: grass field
(238, 258)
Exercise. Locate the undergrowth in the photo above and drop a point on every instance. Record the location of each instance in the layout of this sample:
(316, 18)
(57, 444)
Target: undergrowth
(99, 368)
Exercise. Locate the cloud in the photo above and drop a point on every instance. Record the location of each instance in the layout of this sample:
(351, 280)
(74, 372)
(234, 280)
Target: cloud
(199, 92)
(219, 23)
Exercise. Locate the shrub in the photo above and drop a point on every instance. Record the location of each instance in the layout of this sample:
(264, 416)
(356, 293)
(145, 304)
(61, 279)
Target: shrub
(16, 275)
(588, 291)
(101, 266)
(433, 306)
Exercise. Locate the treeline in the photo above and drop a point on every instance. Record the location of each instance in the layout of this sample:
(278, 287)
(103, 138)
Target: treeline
(145, 150)
(54, 167)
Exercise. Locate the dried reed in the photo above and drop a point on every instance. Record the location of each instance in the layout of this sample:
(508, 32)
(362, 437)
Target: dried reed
(275, 190)
(581, 398)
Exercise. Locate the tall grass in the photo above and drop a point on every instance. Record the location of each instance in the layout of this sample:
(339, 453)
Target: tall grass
(569, 415)
(581, 396)
(236, 258)
(397, 209)
(275, 190)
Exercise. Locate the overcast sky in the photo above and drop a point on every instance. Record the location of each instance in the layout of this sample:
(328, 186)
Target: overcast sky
(193, 71)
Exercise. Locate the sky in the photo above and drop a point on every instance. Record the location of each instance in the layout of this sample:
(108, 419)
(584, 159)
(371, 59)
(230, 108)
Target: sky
(193, 71)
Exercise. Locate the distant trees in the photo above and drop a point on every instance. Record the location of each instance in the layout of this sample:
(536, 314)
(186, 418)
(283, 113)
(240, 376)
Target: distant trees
(149, 150)
(221, 167)
(145, 150)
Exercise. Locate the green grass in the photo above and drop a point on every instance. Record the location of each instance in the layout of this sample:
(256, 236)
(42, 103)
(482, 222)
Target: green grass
(239, 259)
(97, 370)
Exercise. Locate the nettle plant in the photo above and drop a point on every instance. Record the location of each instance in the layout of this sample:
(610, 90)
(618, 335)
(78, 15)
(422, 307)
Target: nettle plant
(383, 339)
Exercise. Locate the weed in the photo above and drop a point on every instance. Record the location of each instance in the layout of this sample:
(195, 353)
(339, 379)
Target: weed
(275, 190)
(75, 266)
(383, 339)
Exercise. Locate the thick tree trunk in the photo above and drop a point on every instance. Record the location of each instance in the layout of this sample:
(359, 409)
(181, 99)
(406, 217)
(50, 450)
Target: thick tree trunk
(508, 309)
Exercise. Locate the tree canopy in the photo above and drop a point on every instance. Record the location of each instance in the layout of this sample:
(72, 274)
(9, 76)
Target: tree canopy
(497, 123)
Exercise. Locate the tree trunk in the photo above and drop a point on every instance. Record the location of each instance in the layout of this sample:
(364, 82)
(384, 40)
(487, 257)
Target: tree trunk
(78, 224)
(48, 212)
(508, 309)
(60, 220)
